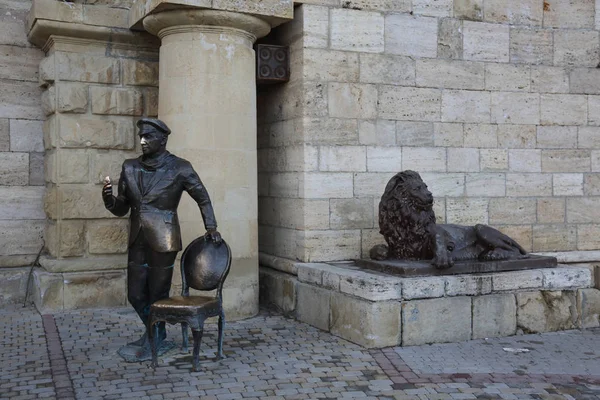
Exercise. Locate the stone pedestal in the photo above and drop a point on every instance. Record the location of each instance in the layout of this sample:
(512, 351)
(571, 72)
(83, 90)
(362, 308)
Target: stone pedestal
(208, 98)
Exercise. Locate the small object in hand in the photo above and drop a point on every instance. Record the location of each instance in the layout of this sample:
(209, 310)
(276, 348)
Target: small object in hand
(107, 180)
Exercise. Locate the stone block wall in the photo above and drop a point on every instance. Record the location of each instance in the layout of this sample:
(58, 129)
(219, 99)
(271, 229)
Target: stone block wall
(21, 152)
(495, 103)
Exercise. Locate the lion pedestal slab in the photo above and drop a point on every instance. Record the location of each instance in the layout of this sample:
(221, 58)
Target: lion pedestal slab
(424, 268)
(377, 310)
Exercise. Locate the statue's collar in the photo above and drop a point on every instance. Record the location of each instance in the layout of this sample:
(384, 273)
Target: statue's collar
(154, 162)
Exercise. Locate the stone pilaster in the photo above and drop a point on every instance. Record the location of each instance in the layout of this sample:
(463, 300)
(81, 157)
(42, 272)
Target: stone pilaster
(98, 79)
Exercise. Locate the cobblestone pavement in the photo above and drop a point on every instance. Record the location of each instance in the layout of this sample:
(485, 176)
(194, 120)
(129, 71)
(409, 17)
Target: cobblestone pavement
(271, 357)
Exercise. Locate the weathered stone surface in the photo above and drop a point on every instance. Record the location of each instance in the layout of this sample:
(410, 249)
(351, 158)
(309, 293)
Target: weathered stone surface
(351, 213)
(277, 289)
(442, 8)
(442, 184)
(36, 169)
(507, 77)
(588, 305)
(583, 210)
(515, 280)
(352, 100)
(313, 305)
(19, 99)
(515, 108)
(47, 291)
(554, 237)
(566, 160)
(436, 321)
(371, 287)
(588, 137)
(468, 285)
(565, 277)
(13, 285)
(357, 30)
(65, 238)
(551, 210)
(384, 159)
(546, 311)
(411, 35)
(531, 46)
(369, 324)
(406, 103)
(485, 42)
(584, 80)
(315, 21)
(420, 134)
(21, 237)
(151, 102)
(68, 166)
(447, 135)
(587, 237)
(370, 184)
(528, 184)
(107, 237)
(79, 67)
(576, 14)
(567, 184)
(136, 72)
(450, 39)
(423, 288)
(376, 5)
(14, 169)
(493, 159)
(379, 132)
(328, 245)
(576, 48)
(21, 203)
(557, 137)
(94, 289)
(424, 159)
(343, 158)
(494, 316)
(485, 185)
(11, 23)
(463, 159)
(387, 69)
(81, 202)
(467, 211)
(450, 74)
(481, 135)
(546, 79)
(106, 100)
(465, 106)
(26, 135)
(514, 12)
(525, 160)
(108, 163)
(563, 109)
(4, 134)
(77, 131)
(326, 185)
(328, 65)
(469, 9)
(71, 97)
(19, 63)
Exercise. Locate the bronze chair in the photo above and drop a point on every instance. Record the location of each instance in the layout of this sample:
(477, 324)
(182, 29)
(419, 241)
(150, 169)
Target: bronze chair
(204, 266)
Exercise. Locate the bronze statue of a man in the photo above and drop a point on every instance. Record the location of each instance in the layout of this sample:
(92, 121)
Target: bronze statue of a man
(151, 187)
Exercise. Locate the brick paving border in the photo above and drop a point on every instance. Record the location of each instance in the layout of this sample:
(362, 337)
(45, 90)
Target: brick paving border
(58, 363)
(404, 377)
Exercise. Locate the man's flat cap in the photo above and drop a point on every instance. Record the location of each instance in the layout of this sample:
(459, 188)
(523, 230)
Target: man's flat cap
(157, 123)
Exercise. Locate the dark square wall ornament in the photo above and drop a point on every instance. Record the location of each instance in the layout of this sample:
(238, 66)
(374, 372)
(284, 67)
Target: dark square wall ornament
(272, 64)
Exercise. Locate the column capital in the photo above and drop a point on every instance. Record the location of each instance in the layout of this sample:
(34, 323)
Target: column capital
(179, 21)
(274, 12)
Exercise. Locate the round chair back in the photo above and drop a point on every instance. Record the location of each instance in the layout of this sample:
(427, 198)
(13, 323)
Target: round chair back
(205, 264)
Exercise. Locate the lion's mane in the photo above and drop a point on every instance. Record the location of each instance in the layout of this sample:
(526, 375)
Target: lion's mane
(408, 229)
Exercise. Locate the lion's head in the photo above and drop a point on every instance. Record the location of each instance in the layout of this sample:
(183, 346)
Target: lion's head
(406, 217)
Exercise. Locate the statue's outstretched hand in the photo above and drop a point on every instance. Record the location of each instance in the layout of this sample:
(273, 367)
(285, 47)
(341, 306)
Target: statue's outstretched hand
(213, 235)
(107, 192)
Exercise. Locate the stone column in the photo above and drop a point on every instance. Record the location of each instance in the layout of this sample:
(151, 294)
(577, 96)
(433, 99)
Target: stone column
(207, 96)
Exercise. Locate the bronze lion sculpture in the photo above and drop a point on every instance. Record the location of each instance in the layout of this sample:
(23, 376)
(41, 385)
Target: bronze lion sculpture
(407, 223)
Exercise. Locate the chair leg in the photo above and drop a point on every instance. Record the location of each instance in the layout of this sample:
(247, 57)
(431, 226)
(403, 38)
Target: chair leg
(220, 355)
(153, 336)
(184, 334)
(197, 334)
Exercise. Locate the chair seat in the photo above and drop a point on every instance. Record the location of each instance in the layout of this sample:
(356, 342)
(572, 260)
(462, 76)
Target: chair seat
(185, 302)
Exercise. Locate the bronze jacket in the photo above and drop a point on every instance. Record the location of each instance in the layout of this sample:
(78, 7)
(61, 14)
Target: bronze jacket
(154, 200)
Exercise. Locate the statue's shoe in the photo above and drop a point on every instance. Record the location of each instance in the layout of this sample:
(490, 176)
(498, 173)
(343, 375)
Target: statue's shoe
(144, 353)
